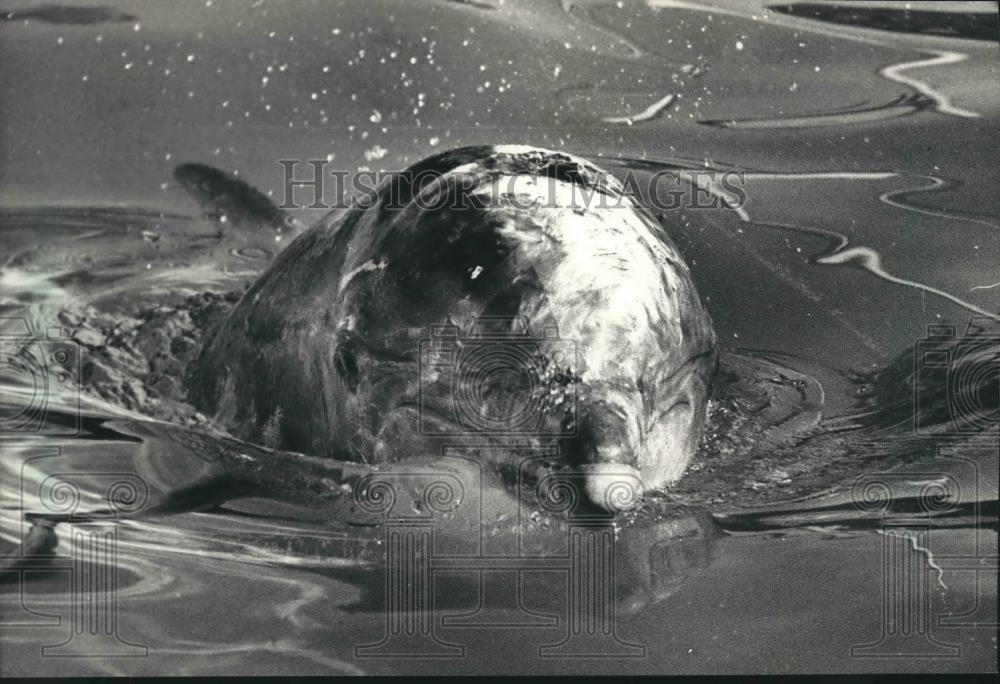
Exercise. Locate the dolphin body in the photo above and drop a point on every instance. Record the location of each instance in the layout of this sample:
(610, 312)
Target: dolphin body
(500, 295)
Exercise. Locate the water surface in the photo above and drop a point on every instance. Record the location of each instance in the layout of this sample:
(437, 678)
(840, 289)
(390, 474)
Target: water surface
(867, 143)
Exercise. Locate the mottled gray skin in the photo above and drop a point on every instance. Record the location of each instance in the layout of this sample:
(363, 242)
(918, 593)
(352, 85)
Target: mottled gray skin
(321, 355)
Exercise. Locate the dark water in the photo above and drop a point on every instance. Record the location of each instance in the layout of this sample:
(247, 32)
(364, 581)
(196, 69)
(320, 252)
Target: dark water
(835, 455)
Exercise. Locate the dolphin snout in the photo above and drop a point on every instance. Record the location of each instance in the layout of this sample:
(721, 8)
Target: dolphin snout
(608, 447)
(612, 486)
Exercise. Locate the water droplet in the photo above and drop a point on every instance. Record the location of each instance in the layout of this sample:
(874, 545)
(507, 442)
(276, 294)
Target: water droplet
(375, 153)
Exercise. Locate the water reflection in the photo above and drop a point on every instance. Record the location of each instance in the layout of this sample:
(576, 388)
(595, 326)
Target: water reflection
(974, 25)
(243, 558)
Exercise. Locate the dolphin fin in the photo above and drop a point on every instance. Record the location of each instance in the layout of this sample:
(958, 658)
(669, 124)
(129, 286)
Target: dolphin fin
(233, 201)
